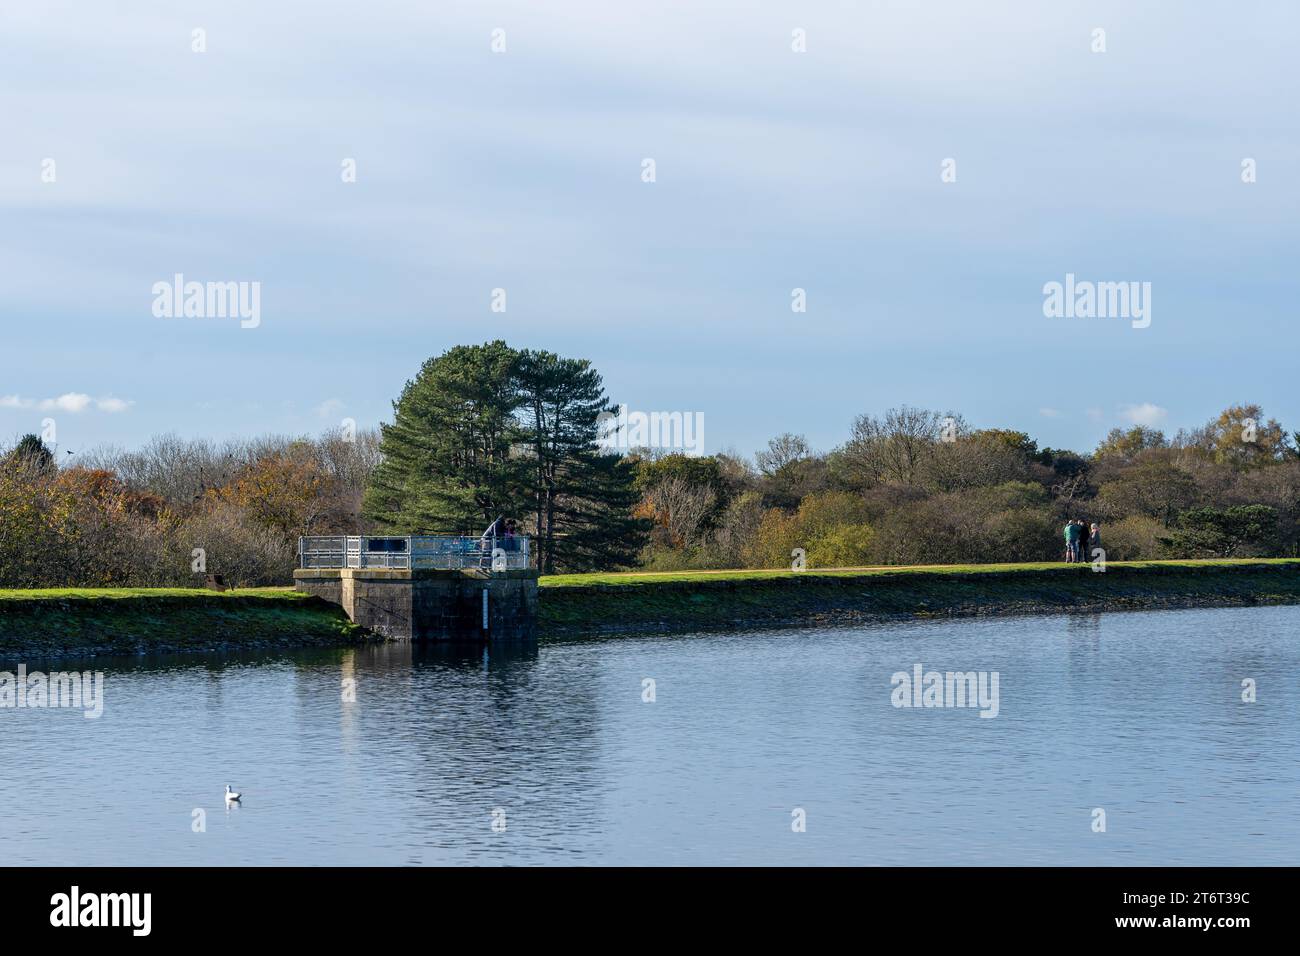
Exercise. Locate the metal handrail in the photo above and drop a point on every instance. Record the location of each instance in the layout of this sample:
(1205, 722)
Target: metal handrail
(415, 552)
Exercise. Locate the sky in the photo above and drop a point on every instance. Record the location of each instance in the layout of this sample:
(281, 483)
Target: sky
(522, 168)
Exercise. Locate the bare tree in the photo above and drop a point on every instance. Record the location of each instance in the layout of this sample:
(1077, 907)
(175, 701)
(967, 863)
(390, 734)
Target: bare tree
(891, 450)
(781, 451)
(681, 508)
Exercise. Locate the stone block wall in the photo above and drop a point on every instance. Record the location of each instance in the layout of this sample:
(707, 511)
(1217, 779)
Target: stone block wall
(430, 605)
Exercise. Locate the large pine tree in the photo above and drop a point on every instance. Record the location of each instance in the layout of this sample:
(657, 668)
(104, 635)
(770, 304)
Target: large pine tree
(582, 497)
(485, 431)
(447, 462)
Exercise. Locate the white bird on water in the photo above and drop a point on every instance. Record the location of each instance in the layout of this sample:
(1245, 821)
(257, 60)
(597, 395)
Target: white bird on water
(231, 796)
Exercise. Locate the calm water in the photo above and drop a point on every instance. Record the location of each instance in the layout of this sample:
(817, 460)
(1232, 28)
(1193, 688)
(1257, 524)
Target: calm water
(1139, 714)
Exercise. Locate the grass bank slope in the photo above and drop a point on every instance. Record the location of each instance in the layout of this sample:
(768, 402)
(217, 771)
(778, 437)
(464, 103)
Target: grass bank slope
(69, 622)
(74, 622)
(705, 599)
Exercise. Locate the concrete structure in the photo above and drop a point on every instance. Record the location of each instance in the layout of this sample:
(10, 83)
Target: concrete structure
(430, 605)
(425, 587)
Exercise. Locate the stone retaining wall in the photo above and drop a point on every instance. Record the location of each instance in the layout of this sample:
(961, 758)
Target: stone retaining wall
(429, 605)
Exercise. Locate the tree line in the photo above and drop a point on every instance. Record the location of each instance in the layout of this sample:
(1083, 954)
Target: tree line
(487, 431)
(915, 486)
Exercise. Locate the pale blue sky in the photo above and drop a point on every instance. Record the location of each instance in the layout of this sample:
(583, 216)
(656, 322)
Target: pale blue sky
(775, 170)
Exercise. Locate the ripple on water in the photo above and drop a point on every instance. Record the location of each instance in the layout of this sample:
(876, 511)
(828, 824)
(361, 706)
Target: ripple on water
(550, 755)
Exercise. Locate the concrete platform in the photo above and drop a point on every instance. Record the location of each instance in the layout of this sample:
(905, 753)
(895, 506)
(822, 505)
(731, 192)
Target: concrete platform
(426, 605)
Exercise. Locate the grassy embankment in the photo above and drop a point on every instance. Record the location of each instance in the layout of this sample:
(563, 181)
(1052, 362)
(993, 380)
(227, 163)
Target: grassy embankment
(80, 621)
(691, 600)
(84, 621)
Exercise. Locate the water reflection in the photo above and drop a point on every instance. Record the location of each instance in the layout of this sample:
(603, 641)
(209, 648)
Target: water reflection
(407, 753)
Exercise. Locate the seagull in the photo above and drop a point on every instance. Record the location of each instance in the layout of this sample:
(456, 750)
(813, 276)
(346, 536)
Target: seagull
(231, 796)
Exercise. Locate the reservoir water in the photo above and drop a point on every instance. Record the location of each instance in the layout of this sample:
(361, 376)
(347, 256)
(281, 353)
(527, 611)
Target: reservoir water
(766, 747)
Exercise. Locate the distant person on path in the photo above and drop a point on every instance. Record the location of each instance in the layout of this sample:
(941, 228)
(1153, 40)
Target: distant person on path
(509, 541)
(1094, 539)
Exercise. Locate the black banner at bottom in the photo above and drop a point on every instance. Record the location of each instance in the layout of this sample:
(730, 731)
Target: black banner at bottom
(333, 905)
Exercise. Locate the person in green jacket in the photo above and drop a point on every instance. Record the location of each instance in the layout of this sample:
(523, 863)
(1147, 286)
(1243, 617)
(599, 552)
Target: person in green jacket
(1072, 530)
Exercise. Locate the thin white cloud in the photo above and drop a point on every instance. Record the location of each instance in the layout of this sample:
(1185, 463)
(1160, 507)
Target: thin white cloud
(331, 406)
(1145, 414)
(1050, 412)
(68, 402)
(71, 402)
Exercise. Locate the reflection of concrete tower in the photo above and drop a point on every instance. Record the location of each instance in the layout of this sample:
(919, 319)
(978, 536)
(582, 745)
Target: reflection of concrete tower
(488, 655)
(509, 733)
(363, 673)
(348, 667)
(348, 701)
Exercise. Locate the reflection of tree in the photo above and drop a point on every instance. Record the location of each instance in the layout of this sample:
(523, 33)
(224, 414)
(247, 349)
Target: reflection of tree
(438, 737)
(503, 729)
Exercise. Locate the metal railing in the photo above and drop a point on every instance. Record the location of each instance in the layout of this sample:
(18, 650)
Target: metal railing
(414, 552)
